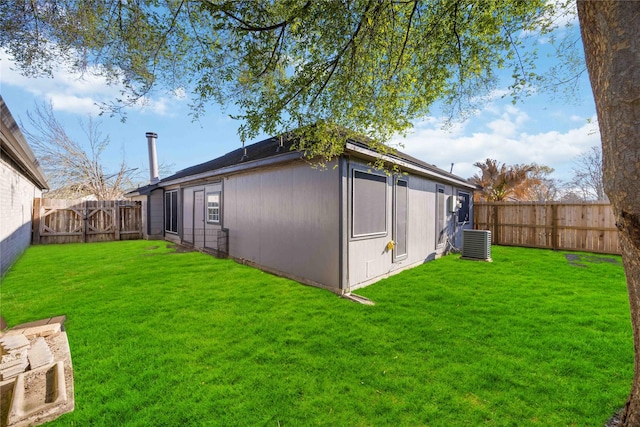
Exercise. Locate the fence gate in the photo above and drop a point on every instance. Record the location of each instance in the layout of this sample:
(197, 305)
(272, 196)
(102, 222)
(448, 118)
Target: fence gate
(84, 221)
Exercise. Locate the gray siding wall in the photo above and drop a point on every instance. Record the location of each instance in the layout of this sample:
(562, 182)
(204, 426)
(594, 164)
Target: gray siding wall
(196, 229)
(16, 205)
(156, 214)
(369, 260)
(286, 219)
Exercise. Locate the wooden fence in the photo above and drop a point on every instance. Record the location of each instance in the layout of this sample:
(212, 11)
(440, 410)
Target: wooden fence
(588, 227)
(78, 221)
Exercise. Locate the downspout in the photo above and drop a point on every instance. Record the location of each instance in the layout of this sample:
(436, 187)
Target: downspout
(345, 287)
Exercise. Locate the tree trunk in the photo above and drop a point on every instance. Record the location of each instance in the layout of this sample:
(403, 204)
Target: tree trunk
(610, 32)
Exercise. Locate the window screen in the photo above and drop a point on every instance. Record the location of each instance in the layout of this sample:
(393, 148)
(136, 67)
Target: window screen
(463, 212)
(213, 207)
(369, 197)
(171, 211)
(400, 231)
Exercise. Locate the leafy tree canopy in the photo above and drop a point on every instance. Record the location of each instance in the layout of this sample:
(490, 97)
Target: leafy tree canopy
(371, 66)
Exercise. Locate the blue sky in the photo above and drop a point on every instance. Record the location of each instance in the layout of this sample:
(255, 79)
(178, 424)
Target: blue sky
(538, 129)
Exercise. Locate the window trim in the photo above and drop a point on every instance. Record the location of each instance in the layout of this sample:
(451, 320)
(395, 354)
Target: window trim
(460, 193)
(354, 236)
(396, 255)
(441, 215)
(169, 219)
(219, 208)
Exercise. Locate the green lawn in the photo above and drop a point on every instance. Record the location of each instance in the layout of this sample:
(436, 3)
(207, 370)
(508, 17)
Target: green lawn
(174, 339)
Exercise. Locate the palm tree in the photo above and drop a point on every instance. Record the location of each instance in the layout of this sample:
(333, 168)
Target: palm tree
(500, 182)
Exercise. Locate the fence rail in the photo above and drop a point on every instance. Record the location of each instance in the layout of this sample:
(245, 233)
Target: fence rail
(81, 221)
(588, 227)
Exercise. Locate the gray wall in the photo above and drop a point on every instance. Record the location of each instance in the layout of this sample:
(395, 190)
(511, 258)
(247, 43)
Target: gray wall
(155, 227)
(286, 219)
(196, 230)
(369, 259)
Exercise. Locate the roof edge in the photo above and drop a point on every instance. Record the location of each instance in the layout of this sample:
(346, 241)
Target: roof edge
(18, 148)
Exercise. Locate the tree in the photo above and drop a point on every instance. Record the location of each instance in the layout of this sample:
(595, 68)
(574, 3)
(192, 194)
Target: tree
(315, 67)
(610, 37)
(373, 66)
(542, 186)
(73, 169)
(502, 182)
(586, 181)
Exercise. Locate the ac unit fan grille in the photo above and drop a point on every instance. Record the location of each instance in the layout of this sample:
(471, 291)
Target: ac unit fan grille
(476, 244)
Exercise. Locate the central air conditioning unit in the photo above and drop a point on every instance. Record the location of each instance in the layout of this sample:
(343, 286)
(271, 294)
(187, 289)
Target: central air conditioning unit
(476, 244)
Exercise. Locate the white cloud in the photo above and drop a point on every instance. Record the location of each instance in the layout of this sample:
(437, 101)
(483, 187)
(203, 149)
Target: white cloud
(504, 137)
(80, 93)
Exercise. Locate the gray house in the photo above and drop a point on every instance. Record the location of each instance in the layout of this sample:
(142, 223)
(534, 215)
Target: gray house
(341, 228)
(21, 180)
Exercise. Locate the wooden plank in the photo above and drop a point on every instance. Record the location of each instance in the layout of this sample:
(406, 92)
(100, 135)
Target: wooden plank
(116, 221)
(35, 227)
(64, 221)
(582, 226)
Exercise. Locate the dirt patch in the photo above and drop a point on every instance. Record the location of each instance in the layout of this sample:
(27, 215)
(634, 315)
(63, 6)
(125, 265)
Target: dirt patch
(576, 260)
(179, 249)
(150, 248)
(615, 420)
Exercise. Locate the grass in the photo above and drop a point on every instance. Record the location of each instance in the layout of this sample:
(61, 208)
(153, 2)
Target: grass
(166, 339)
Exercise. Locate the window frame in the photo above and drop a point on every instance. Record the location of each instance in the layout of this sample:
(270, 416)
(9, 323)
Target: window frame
(441, 214)
(405, 183)
(171, 211)
(375, 177)
(468, 205)
(209, 209)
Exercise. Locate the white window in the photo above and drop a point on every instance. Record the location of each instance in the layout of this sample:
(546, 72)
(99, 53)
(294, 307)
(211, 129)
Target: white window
(213, 207)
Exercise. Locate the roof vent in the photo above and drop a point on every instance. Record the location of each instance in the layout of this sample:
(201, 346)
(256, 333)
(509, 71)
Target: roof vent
(244, 153)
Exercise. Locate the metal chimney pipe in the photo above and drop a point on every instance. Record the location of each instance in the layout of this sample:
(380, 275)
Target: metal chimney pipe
(153, 158)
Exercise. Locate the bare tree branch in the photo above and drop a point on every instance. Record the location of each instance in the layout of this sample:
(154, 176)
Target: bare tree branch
(75, 170)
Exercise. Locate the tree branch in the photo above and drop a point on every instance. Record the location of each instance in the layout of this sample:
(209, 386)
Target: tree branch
(406, 37)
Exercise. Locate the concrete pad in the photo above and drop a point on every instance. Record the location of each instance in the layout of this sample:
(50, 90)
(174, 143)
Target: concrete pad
(15, 370)
(47, 321)
(52, 329)
(39, 395)
(13, 343)
(39, 354)
(11, 332)
(32, 324)
(36, 394)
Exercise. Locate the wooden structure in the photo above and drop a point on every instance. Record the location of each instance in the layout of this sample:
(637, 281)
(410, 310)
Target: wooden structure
(78, 221)
(589, 227)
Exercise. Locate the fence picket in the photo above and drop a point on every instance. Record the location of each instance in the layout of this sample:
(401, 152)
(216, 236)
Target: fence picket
(588, 227)
(77, 221)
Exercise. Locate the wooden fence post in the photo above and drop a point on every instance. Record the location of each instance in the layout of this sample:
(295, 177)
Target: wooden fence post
(555, 245)
(35, 226)
(116, 219)
(494, 232)
(85, 221)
